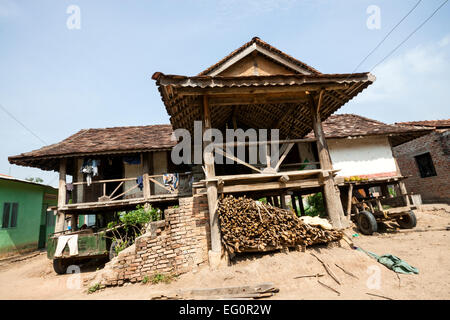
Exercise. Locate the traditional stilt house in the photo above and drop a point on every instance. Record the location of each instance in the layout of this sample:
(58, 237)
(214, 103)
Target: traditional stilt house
(255, 87)
(258, 86)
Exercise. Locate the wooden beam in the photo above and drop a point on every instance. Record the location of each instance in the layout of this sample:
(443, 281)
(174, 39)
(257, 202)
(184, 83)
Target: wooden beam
(300, 203)
(305, 183)
(283, 156)
(211, 191)
(349, 201)
(60, 217)
(331, 192)
(145, 176)
(294, 203)
(229, 156)
(62, 182)
(295, 89)
(402, 187)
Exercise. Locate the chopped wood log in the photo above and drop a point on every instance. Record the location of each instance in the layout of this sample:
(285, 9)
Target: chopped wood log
(251, 226)
(327, 268)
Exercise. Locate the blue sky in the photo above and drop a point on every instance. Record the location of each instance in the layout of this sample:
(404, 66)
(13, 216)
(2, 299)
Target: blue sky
(57, 81)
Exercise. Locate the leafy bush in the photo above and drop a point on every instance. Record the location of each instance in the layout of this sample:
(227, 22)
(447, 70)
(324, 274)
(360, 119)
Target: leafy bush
(134, 223)
(315, 206)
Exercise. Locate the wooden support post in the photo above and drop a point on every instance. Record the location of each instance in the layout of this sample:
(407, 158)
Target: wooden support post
(275, 201)
(349, 201)
(74, 222)
(300, 203)
(145, 173)
(59, 225)
(402, 187)
(283, 201)
(211, 191)
(379, 205)
(331, 192)
(294, 204)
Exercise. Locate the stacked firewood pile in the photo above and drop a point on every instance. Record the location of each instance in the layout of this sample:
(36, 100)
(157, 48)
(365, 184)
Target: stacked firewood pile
(249, 225)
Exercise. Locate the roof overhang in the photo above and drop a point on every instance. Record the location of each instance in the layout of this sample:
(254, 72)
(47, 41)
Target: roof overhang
(274, 101)
(51, 162)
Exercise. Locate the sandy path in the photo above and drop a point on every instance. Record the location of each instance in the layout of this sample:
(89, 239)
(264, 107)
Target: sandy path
(428, 251)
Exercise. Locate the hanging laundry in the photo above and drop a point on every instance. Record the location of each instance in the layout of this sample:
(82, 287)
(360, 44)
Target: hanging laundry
(140, 182)
(171, 180)
(90, 169)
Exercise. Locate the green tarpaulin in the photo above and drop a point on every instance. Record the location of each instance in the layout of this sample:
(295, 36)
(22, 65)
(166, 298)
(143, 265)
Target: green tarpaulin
(394, 263)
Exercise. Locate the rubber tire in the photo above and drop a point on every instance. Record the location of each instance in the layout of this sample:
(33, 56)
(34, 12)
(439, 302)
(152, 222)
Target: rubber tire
(408, 221)
(112, 251)
(60, 266)
(367, 223)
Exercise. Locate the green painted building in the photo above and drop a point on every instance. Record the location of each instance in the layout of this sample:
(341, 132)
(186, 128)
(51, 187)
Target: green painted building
(25, 221)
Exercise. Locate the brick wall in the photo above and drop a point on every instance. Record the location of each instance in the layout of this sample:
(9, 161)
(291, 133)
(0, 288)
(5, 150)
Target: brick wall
(432, 189)
(175, 245)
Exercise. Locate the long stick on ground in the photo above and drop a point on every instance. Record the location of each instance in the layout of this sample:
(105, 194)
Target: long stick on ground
(326, 286)
(327, 268)
(379, 296)
(310, 276)
(347, 272)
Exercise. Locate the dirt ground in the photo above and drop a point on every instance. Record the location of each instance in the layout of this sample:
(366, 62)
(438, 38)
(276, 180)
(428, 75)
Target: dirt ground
(34, 278)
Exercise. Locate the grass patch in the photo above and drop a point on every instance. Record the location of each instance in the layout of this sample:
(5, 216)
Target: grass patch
(161, 277)
(94, 288)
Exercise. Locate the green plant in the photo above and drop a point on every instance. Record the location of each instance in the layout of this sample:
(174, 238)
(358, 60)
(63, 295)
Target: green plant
(392, 192)
(145, 279)
(94, 288)
(160, 277)
(315, 206)
(134, 223)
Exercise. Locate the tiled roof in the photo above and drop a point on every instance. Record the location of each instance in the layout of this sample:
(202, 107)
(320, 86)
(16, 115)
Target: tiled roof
(427, 123)
(264, 45)
(352, 125)
(104, 141)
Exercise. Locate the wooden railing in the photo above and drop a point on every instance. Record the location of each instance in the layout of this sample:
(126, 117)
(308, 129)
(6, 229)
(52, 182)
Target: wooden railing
(272, 166)
(110, 190)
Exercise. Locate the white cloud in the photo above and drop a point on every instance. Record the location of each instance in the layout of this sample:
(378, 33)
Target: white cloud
(417, 72)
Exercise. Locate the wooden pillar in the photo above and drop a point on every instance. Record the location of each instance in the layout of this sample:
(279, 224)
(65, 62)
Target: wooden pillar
(283, 201)
(300, 203)
(59, 225)
(211, 191)
(294, 203)
(74, 222)
(145, 173)
(349, 200)
(402, 187)
(331, 192)
(276, 202)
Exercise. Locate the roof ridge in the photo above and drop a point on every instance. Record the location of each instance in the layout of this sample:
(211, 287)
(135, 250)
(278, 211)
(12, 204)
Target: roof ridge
(264, 44)
(362, 117)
